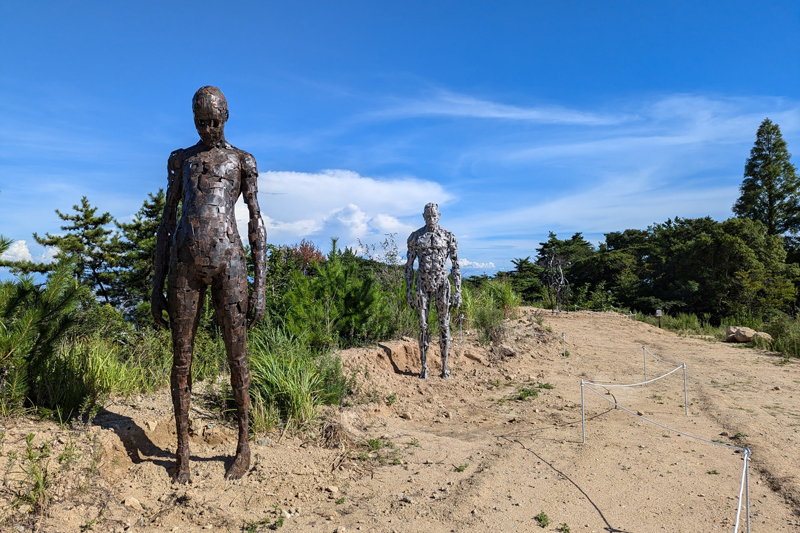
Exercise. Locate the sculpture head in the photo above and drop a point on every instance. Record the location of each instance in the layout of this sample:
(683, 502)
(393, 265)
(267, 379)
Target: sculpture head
(210, 114)
(431, 215)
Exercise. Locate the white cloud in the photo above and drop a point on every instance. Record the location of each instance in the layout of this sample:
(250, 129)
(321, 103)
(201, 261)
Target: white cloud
(448, 103)
(466, 264)
(339, 203)
(18, 251)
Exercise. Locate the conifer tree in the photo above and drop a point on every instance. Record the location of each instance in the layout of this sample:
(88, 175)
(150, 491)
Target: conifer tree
(769, 191)
(137, 252)
(87, 238)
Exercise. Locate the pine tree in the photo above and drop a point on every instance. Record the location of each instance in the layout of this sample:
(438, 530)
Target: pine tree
(137, 255)
(87, 238)
(769, 191)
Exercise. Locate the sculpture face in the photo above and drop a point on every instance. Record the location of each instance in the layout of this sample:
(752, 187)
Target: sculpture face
(431, 215)
(210, 114)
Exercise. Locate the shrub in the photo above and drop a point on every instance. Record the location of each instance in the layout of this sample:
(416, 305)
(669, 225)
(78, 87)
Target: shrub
(288, 376)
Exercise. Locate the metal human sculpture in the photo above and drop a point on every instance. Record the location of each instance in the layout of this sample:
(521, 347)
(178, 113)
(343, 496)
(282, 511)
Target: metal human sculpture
(432, 245)
(204, 249)
(556, 283)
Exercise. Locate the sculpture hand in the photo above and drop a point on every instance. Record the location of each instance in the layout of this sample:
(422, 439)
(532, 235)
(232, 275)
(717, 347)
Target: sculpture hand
(158, 304)
(255, 308)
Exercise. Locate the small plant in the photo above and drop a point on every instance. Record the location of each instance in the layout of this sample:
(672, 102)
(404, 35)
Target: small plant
(414, 442)
(546, 386)
(564, 528)
(374, 445)
(391, 399)
(713, 472)
(340, 501)
(252, 526)
(740, 436)
(363, 457)
(525, 393)
(543, 519)
(566, 353)
(495, 383)
(461, 468)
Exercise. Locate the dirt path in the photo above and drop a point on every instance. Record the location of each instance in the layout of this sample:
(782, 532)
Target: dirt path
(465, 454)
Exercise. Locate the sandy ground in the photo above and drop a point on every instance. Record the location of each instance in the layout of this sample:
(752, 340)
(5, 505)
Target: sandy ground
(463, 454)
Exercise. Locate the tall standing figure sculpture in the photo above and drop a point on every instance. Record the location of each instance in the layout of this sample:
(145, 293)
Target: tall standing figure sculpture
(432, 245)
(204, 249)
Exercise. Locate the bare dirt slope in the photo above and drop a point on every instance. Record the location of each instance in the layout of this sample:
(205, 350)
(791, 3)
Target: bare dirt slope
(463, 454)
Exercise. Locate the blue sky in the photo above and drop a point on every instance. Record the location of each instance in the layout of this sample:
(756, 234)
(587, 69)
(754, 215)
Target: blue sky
(518, 118)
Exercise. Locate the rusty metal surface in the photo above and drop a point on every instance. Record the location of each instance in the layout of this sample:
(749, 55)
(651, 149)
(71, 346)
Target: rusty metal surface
(203, 249)
(431, 245)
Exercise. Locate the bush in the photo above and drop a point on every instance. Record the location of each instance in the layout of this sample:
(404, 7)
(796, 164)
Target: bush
(289, 378)
(336, 306)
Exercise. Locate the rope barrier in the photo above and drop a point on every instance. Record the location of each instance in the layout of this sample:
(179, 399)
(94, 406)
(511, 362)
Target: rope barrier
(744, 488)
(657, 357)
(633, 384)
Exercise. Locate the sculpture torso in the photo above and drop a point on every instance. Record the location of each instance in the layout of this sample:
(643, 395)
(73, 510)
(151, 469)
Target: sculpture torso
(211, 182)
(432, 248)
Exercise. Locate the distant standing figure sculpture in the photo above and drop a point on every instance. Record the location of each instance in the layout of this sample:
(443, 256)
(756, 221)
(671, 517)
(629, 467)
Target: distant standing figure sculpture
(432, 245)
(204, 249)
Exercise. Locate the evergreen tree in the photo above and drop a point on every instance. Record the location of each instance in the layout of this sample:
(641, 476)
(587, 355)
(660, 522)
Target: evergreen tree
(87, 238)
(137, 254)
(769, 191)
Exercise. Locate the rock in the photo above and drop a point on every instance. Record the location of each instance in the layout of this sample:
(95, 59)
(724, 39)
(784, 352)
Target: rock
(340, 529)
(332, 489)
(738, 334)
(507, 350)
(763, 335)
(262, 442)
(132, 503)
(152, 425)
(475, 356)
(408, 339)
(405, 415)
(285, 514)
(24, 508)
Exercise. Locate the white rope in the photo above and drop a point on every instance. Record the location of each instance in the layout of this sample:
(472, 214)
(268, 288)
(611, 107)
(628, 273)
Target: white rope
(666, 427)
(657, 357)
(741, 490)
(634, 384)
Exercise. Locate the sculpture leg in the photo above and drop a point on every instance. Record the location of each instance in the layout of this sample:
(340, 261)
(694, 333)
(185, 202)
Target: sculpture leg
(186, 293)
(443, 309)
(229, 294)
(423, 304)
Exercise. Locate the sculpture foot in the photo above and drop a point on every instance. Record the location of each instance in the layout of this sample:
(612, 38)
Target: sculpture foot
(240, 466)
(180, 474)
(423, 374)
(445, 374)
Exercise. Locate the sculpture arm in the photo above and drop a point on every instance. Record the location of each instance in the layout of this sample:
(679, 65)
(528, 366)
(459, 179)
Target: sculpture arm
(257, 235)
(455, 271)
(166, 229)
(411, 257)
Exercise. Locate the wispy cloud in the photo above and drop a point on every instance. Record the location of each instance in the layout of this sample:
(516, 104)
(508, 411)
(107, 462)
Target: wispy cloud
(452, 104)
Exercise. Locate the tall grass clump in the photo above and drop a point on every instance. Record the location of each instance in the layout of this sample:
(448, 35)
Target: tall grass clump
(486, 306)
(291, 379)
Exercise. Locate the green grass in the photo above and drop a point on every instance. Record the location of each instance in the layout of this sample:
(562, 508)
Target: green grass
(542, 519)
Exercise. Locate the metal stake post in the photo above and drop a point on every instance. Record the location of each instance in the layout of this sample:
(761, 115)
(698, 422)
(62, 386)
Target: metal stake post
(583, 415)
(644, 355)
(747, 484)
(685, 395)
(461, 329)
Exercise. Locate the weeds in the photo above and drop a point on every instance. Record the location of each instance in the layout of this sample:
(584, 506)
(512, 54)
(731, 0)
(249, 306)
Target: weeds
(542, 519)
(524, 393)
(391, 399)
(461, 468)
(564, 528)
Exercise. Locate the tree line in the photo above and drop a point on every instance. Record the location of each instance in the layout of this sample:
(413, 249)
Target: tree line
(745, 265)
